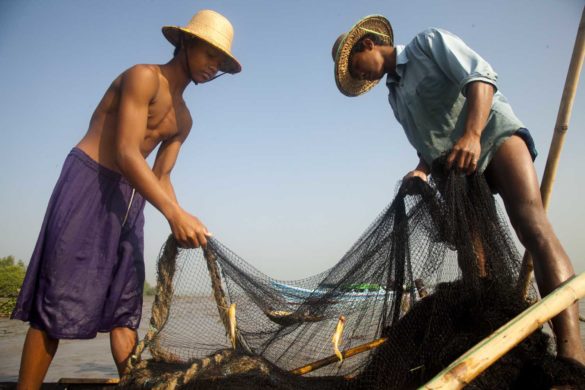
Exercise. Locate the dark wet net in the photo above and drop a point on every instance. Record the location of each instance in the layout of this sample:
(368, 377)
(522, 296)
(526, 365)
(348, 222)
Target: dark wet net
(433, 275)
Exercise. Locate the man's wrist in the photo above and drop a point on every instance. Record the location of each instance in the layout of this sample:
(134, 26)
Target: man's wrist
(170, 210)
(473, 133)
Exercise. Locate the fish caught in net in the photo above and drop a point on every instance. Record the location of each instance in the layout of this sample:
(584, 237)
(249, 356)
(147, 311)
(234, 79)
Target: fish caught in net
(434, 274)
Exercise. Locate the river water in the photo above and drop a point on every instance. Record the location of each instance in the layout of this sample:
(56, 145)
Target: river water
(74, 358)
(80, 358)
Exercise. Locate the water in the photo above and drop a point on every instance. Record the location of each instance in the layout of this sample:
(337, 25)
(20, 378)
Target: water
(74, 358)
(81, 358)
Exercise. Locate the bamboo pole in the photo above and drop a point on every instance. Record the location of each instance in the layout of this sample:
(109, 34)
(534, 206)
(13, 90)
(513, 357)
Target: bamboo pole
(333, 358)
(463, 370)
(89, 381)
(560, 131)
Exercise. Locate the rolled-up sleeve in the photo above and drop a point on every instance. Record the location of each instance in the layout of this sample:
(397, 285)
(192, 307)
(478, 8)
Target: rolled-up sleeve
(457, 60)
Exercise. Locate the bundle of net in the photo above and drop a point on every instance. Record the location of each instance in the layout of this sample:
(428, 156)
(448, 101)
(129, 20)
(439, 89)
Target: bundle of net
(433, 275)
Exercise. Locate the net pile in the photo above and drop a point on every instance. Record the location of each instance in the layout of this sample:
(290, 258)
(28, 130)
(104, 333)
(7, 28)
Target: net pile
(434, 274)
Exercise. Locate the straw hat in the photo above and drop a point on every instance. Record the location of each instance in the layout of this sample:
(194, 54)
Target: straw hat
(214, 29)
(373, 24)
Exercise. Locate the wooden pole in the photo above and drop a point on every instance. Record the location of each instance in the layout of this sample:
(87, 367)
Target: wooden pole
(333, 358)
(560, 131)
(462, 371)
(89, 381)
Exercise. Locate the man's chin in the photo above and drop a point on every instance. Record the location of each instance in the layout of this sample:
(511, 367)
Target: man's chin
(200, 79)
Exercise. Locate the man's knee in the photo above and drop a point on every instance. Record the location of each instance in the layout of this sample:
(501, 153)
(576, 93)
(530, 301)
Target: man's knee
(123, 341)
(123, 333)
(39, 337)
(531, 225)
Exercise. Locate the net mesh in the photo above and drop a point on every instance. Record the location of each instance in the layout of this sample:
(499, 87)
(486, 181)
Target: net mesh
(434, 274)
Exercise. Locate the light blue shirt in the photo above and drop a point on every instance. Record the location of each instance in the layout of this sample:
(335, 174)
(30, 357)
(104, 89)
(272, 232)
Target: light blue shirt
(428, 97)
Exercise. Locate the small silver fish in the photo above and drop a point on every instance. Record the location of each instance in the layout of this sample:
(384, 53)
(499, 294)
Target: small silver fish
(336, 339)
(232, 324)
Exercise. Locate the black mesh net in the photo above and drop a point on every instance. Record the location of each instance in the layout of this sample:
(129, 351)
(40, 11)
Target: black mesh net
(433, 275)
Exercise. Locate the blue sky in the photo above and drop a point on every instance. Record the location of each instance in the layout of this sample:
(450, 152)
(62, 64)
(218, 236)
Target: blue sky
(280, 166)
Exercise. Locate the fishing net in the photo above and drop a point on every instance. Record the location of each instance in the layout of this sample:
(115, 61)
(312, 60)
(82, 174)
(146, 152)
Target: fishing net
(435, 273)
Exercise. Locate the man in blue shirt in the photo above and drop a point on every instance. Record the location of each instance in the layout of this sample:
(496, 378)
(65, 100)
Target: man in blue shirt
(446, 98)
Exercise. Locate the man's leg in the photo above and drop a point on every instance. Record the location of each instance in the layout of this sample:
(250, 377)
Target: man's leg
(122, 341)
(37, 354)
(512, 174)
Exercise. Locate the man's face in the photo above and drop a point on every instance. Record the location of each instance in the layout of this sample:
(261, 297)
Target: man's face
(367, 64)
(204, 60)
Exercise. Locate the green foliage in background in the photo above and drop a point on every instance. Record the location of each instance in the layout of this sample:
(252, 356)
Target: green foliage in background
(148, 289)
(11, 277)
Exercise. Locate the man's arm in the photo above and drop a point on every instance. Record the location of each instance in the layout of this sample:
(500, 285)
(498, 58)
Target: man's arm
(163, 165)
(466, 151)
(139, 87)
(165, 162)
(477, 81)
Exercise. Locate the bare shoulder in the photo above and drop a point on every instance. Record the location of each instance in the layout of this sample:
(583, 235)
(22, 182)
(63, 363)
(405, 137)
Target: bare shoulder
(145, 71)
(142, 79)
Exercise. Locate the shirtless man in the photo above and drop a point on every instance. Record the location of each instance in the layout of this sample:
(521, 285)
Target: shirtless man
(86, 274)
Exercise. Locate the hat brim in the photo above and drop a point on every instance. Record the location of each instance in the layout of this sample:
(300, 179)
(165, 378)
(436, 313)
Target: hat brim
(173, 35)
(347, 84)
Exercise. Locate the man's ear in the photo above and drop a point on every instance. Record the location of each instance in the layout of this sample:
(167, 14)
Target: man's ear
(368, 43)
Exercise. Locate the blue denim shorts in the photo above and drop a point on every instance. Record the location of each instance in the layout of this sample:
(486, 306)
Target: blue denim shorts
(528, 140)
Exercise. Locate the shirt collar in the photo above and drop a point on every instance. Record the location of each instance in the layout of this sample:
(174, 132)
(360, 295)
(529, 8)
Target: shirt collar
(401, 60)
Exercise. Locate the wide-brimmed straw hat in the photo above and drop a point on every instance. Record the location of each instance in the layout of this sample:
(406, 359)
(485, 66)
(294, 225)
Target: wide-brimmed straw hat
(214, 29)
(373, 24)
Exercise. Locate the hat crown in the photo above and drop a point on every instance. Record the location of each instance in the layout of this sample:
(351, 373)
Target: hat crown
(212, 27)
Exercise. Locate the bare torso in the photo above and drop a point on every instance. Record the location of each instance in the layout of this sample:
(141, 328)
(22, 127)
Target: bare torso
(167, 116)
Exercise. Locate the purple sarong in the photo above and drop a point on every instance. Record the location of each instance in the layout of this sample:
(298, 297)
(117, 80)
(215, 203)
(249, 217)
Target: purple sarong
(86, 273)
